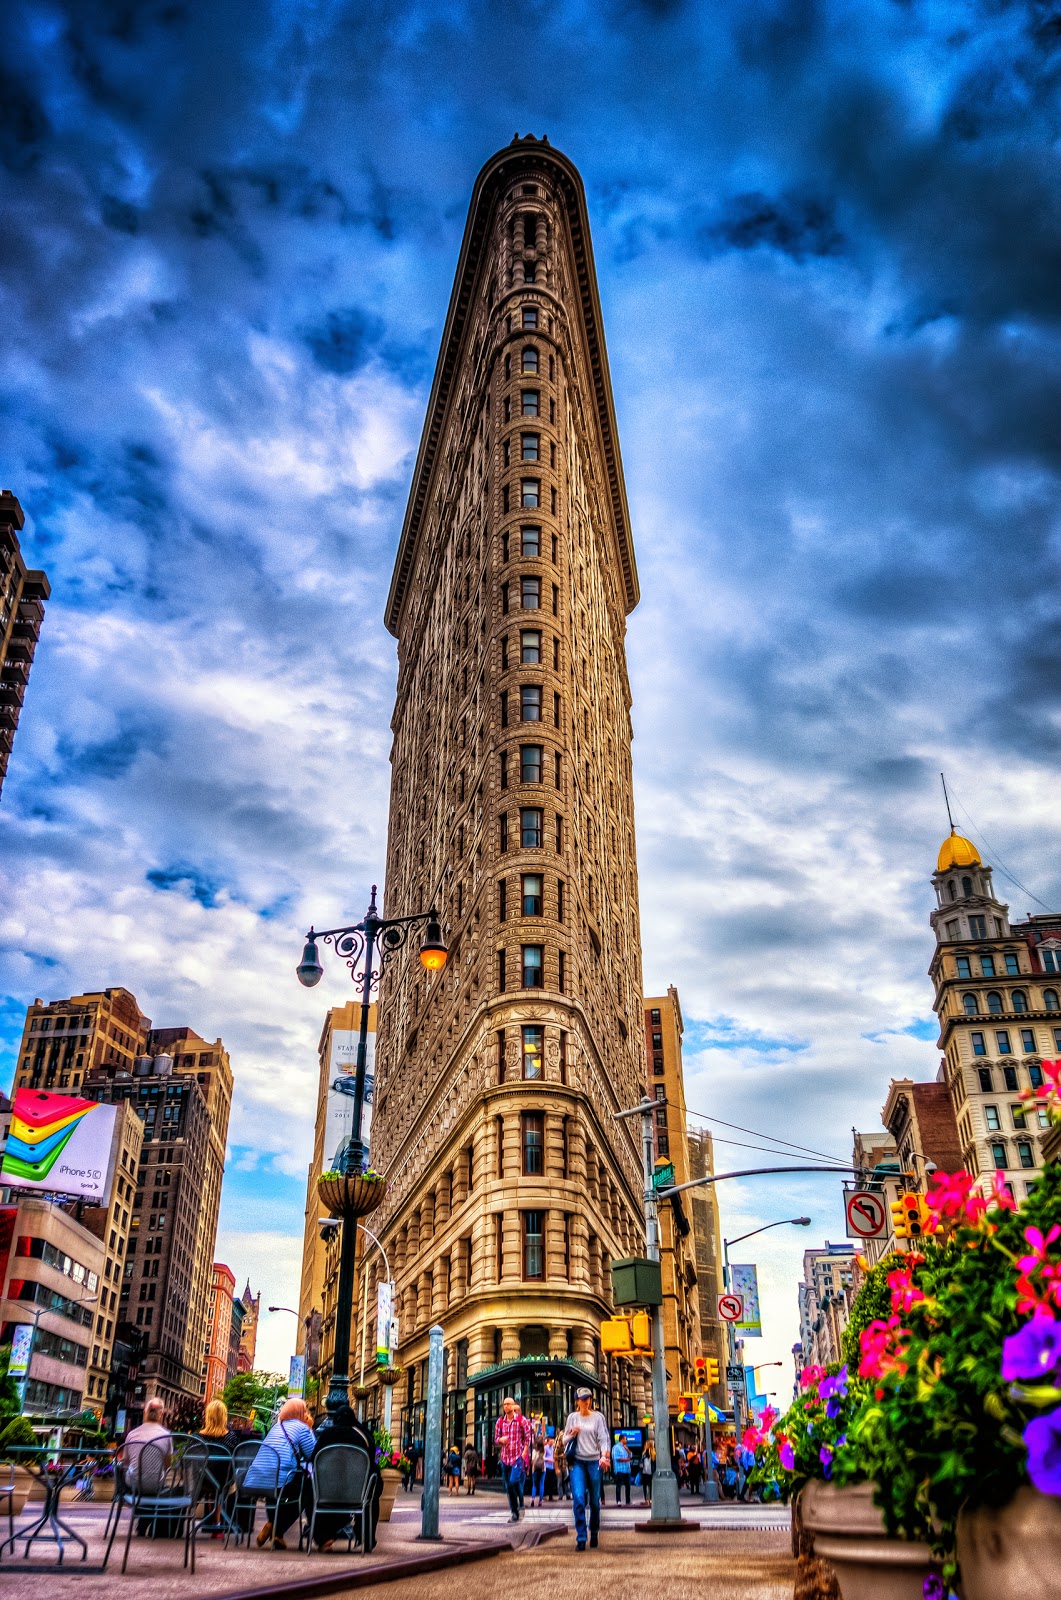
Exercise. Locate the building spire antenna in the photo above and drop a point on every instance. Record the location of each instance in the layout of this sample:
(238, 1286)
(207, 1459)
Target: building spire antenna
(946, 801)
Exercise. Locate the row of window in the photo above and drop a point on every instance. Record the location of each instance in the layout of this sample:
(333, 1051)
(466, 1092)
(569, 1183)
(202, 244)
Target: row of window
(987, 965)
(531, 767)
(1018, 1116)
(530, 405)
(531, 830)
(530, 496)
(1000, 1155)
(977, 928)
(44, 1250)
(530, 595)
(531, 885)
(996, 1002)
(531, 653)
(530, 449)
(530, 704)
(1002, 1043)
(532, 968)
(529, 544)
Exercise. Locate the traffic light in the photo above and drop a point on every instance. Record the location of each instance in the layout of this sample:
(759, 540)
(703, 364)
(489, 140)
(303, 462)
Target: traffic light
(711, 1375)
(627, 1336)
(910, 1217)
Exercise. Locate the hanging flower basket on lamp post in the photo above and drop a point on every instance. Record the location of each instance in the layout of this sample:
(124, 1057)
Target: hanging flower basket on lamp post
(352, 1194)
(389, 1376)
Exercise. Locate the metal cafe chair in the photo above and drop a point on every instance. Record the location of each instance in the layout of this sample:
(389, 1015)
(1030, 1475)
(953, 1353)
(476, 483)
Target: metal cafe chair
(265, 1485)
(217, 1483)
(342, 1484)
(163, 1486)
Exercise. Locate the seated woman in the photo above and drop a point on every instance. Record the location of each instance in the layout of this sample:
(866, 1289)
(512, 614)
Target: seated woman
(294, 1442)
(221, 1440)
(344, 1428)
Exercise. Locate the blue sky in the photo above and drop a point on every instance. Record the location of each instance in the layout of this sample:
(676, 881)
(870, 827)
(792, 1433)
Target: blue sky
(828, 240)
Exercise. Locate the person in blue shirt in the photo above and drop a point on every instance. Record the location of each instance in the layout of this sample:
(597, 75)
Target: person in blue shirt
(622, 1462)
(294, 1441)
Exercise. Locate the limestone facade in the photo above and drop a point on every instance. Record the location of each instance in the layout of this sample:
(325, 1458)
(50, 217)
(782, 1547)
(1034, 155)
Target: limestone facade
(511, 1186)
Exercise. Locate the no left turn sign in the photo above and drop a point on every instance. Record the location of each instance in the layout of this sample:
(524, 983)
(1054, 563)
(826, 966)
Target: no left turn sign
(730, 1307)
(866, 1216)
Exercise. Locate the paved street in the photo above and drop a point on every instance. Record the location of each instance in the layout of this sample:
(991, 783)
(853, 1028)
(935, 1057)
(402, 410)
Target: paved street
(745, 1547)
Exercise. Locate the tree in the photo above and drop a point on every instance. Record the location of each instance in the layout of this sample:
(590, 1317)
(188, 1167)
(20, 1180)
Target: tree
(8, 1386)
(250, 1392)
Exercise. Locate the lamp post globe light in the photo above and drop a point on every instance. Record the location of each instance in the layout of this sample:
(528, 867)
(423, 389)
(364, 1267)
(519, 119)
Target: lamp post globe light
(366, 947)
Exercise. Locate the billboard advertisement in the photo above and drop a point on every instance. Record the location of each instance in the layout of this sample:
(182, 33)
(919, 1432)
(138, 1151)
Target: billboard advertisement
(342, 1071)
(21, 1343)
(62, 1144)
(744, 1282)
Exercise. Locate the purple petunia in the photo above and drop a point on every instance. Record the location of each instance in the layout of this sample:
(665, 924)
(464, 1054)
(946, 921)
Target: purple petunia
(833, 1390)
(788, 1460)
(825, 1456)
(932, 1588)
(1033, 1352)
(1042, 1438)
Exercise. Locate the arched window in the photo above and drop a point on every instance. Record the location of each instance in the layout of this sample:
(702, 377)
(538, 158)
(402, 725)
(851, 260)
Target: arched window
(967, 887)
(994, 1002)
(952, 888)
(1020, 1000)
(530, 359)
(969, 1002)
(1050, 999)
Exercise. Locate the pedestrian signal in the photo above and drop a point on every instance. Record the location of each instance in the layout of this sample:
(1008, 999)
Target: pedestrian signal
(910, 1217)
(627, 1336)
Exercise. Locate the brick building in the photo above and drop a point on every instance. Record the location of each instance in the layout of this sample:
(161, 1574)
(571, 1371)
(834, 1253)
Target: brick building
(22, 596)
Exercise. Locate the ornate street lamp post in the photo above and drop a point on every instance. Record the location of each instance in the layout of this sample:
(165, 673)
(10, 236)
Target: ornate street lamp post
(369, 943)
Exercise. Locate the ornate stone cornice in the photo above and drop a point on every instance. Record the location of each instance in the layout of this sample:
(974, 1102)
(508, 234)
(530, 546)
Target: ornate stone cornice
(524, 158)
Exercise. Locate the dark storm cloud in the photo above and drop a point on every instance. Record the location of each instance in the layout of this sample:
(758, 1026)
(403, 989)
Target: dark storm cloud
(829, 245)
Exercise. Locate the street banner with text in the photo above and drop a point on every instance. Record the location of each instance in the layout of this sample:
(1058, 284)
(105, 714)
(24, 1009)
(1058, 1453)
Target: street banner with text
(744, 1282)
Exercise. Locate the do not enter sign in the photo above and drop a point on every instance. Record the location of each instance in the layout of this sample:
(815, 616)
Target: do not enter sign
(730, 1307)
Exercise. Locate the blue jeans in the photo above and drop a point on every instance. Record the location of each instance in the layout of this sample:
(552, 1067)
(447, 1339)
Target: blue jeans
(586, 1485)
(512, 1478)
(537, 1483)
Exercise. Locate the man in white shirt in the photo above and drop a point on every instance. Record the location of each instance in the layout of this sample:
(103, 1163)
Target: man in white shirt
(592, 1455)
(151, 1431)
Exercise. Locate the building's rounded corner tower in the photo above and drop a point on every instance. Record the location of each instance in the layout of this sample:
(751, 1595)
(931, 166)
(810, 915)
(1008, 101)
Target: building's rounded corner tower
(511, 1186)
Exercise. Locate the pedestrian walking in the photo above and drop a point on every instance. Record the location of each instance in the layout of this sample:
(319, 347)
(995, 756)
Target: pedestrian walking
(453, 1469)
(512, 1436)
(471, 1467)
(549, 1457)
(648, 1467)
(692, 1466)
(538, 1472)
(588, 1448)
(563, 1472)
(622, 1466)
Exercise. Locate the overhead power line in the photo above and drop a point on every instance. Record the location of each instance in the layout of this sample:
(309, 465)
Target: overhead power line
(757, 1133)
(996, 859)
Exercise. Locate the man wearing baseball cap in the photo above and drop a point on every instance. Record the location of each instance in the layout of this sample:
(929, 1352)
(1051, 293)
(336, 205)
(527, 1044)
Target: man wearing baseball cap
(587, 1445)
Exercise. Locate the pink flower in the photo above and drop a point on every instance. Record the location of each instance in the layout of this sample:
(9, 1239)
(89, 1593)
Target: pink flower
(811, 1376)
(1001, 1195)
(1040, 1247)
(905, 1292)
(883, 1346)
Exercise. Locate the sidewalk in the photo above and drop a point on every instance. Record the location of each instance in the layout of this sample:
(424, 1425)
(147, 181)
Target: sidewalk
(156, 1565)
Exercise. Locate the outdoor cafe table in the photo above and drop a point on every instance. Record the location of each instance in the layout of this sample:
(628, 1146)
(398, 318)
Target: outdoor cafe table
(54, 1469)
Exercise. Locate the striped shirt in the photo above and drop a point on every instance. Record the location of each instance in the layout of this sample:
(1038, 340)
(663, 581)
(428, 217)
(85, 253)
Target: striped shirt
(285, 1438)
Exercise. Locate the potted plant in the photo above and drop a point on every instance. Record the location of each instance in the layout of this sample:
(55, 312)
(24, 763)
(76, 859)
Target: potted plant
(19, 1435)
(389, 1376)
(352, 1194)
(839, 1532)
(959, 1424)
(389, 1461)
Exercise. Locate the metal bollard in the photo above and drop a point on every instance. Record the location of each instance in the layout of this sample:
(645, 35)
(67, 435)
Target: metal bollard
(432, 1438)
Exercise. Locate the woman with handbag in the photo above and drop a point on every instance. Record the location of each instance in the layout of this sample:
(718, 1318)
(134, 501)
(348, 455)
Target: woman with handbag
(588, 1445)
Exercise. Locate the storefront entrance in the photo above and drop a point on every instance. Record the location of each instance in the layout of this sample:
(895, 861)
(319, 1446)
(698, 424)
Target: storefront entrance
(542, 1387)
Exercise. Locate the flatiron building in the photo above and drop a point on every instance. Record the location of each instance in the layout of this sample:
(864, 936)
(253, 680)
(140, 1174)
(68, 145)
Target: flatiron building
(511, 1185)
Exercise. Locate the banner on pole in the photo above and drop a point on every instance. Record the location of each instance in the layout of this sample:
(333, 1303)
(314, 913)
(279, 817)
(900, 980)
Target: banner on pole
(384, 1312)
(21, 1340)
(342, 1077)
(296, 1377)
(745, 1283)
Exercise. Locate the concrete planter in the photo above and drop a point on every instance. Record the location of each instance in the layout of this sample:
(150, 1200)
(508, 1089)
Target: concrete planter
(849, 1533)
(23, 1488)
(351, 1195)
(1012, 1551)
(391, 1480)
